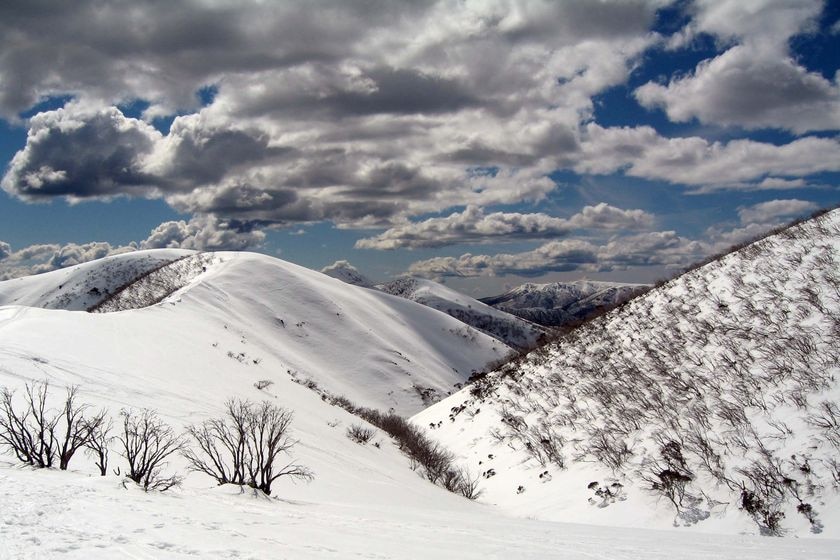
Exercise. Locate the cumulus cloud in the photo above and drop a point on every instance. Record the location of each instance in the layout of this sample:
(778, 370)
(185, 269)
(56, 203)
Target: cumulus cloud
(756, 220)
(371, 113)
(82, 152)
(474, 226)
(771, 211)
(356, 112)
(204, 233)
(750, 89)
(5, 250)
(36, 259)
(645, 249)
(756, 83)
(737, 164)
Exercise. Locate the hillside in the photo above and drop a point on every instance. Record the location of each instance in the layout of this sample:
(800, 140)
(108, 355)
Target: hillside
(226, 330)
(511, 330)
(79, 287)
(272, 318)
(560, 304)
(709, 402)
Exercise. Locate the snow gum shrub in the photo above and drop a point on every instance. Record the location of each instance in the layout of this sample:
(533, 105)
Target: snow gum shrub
(669, 475)
(39, 435)
(245, 445)
(360, 434)
(147, 442)
(435, 461)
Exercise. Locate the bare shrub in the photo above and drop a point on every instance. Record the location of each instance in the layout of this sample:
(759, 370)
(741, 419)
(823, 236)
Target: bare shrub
(434, 459)
(77, 429)
(146, 443)
(99, 443)
(38, 435)
(30, 433)
(360, 434)
(263, 384)
(245, 445)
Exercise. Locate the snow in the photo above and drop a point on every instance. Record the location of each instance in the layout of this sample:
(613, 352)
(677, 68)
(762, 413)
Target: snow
(82, 286)
(561, 303)
(70, 515)
(754, 333)
(510, 329)
(249, 318)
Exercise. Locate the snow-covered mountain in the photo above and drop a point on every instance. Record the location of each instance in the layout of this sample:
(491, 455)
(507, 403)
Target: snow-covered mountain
(512, 330)
(560, 304)
(710, 402)
(270, 318)
(346, 272)
(249, 326)
(82, 286)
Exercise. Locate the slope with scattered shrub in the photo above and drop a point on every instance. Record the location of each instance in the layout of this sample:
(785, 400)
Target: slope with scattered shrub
(82, 286)
(510, 329)
(711, 401)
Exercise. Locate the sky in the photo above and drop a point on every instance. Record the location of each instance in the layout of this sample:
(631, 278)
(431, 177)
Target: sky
(480, 143)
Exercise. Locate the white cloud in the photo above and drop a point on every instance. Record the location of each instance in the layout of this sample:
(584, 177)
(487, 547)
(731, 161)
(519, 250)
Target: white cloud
(36, 259)
(749, 88)
(641, 152)
(474, 226)
(362, 114)
(203, 233)
(5, 250)
(771, 211)
(82, 151)
(663, 248)
(756, 83)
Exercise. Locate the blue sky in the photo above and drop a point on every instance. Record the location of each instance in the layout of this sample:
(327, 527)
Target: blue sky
(479, 143)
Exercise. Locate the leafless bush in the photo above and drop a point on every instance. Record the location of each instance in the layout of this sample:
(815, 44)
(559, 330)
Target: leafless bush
(461, 482)
(360, 434)
(245, 446)
(30, 433)
(38, 435)
(263, 384)
(78, 429)
(146, 443)
(99, 443)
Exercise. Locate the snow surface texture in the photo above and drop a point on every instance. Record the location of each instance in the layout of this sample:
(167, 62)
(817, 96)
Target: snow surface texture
(82, 286)
(709, 402)
(513, 331)
(560, 304)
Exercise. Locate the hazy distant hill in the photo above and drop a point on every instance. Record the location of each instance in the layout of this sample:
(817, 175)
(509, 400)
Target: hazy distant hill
(510, 329)
(558, 304)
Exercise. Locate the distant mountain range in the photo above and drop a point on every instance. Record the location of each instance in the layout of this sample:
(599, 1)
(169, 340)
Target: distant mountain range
(560, 304)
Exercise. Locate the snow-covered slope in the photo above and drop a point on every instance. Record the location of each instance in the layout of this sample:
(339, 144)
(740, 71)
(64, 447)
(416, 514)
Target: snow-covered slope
(559, 303)
(272, 318)
(511, 330)
(227, 329)
(709, 402)
(82, 286)
(346, 272)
